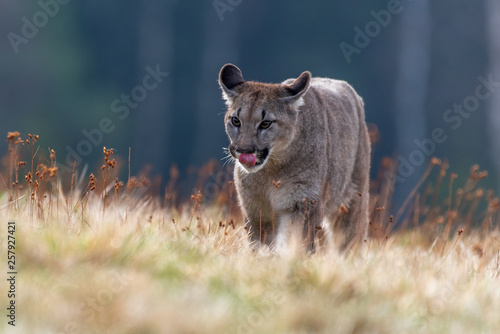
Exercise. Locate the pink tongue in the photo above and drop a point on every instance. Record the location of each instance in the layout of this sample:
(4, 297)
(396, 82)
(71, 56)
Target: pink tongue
(247, 159)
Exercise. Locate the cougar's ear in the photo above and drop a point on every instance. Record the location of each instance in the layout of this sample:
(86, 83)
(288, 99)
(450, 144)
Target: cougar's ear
(229, 77)
(293, 91)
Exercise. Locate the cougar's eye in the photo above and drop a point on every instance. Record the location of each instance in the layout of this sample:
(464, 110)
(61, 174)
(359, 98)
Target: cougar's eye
(265, 124)
(235, 121)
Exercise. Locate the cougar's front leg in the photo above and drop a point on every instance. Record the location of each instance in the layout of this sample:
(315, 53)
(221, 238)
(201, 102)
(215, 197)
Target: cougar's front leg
(312, 213)
(300, 223)
(260, 232)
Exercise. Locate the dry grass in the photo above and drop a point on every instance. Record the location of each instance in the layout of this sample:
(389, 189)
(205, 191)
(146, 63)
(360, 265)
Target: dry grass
(95, 260)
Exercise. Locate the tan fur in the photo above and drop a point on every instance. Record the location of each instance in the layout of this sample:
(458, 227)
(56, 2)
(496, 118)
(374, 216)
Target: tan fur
(318, 147)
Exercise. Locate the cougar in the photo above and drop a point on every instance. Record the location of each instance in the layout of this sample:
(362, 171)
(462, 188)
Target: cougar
(302, 157)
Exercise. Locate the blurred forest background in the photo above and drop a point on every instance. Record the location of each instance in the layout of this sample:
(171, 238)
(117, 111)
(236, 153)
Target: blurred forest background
(427, 71)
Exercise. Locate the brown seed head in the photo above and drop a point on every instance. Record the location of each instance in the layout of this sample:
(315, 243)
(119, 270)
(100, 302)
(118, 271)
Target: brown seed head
(174, 172)
(12, 136)
(118, 185)
(435, 161)
(452, 214)
(479, 193)
(482, 175)
(444, 167)
(111, 163)
(92, 182)
(439, 219)
(494, 204)
(343, 210)
(387, 162)
(52, 171)
(373, 133)
(478, 250)
(145, 181)
(474, 169)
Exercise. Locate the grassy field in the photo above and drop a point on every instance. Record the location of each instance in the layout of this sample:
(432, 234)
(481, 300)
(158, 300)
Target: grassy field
(134, 263)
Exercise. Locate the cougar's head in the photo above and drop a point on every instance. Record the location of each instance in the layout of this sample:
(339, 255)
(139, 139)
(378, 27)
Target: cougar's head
(261, 118)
